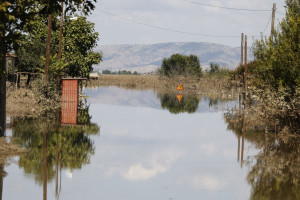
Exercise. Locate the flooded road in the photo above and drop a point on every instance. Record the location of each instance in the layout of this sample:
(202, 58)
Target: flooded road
(141, 144)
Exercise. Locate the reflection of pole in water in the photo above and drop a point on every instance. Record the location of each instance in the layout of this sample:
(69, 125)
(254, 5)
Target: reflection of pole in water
(1, 179)
(56, 168)
(240, 101)
(243, 140)
(239, 141)
(45, 163)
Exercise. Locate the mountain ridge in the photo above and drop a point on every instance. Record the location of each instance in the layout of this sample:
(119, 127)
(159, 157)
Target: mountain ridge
(148, 57)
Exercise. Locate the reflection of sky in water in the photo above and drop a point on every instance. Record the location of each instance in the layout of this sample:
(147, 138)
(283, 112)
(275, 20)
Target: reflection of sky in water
(144, 152)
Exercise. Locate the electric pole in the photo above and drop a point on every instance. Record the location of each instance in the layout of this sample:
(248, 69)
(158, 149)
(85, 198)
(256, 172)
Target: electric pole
(242, 48)
(245, 68)
(273, 21)
(61, 31)
(48, 48)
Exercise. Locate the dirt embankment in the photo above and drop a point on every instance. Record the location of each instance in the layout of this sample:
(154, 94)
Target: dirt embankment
(27, 103)
(214, 87)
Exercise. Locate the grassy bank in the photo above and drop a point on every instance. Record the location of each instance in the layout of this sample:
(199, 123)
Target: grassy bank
(213, 87)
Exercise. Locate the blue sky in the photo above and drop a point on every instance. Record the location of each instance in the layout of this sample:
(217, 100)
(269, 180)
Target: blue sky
(182, 16)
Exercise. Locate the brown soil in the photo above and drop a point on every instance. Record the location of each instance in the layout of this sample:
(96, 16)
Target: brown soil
(24, 103)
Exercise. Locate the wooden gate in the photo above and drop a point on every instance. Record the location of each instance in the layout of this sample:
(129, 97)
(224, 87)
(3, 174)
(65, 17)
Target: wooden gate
(69, 101)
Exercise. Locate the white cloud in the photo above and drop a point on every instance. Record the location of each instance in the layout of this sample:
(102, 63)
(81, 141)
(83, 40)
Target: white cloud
(157, 163)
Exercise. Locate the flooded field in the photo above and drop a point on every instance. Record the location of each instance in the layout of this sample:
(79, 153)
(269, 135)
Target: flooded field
(122, 144)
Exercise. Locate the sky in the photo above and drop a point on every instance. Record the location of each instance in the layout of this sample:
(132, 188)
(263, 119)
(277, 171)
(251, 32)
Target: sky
(134, 21)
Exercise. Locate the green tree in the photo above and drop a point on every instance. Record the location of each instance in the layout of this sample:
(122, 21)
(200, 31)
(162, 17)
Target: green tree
(13, 15)
(78, 42)
(179, 64)
(214, 68)
(106, 71)
(79, 38)
(278, 60)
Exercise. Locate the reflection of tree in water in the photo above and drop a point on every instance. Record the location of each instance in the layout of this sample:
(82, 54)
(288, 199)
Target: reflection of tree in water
(75, 145)
(276, 174)
(253, 132)
(276, 170)
(188, 103)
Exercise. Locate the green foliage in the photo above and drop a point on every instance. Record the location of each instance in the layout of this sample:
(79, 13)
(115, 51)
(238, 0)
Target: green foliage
(106, 71)
(78, 42)
(46, 91)
(79, 39)
(179, 64)
(251, 69)
(124, 72)
(279, 60)
(214, 68)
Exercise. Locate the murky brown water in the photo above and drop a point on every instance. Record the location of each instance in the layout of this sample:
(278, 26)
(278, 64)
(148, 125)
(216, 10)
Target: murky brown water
(130, 144)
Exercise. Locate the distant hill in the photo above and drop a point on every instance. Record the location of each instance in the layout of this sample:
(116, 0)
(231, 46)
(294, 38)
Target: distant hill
(147, 58)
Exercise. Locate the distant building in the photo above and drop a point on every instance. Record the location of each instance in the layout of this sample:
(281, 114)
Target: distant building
(94, 75)
(10, 63)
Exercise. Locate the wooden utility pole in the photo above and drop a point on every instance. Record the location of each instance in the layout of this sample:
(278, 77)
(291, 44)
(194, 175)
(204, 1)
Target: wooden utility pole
(48, 48)
(242, 48)
(273, 21)
(245, 68)
(61, 31)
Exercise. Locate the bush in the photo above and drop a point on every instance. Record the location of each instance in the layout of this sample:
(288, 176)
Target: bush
(278, 61)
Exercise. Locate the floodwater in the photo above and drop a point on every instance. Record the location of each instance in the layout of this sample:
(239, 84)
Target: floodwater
(141, 144)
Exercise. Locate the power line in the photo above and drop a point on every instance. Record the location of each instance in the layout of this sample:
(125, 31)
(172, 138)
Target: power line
(168, 29)
(280, 12)
(229, 8)
(267, 25)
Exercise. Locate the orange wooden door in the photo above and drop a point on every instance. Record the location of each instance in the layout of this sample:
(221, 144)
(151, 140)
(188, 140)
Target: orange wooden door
(69, 102)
